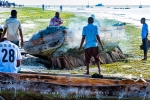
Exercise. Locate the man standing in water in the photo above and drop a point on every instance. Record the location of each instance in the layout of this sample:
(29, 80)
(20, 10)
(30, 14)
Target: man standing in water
(90, 34)
(61, 8)
(43, 7)
(144, 34)
(56, 21)
(12, 25)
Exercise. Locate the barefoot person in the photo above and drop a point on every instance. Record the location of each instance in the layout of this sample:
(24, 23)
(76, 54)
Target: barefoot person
(90, 35)
(56, 21)
(11, 26)
(144, 34)
(10, 56)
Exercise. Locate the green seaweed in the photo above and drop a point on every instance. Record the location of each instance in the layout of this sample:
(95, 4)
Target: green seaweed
(19, 95)
(130, 47)
(35, 15)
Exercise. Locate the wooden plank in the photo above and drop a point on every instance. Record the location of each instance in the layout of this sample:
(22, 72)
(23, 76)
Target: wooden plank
(78, 75)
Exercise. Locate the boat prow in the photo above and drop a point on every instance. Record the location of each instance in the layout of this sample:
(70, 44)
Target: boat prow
(46, 44)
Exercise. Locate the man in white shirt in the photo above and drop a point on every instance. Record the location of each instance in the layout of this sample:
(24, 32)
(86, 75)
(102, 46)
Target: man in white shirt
(11, 26)
(144, 35)
(10, 56)
(90, 34)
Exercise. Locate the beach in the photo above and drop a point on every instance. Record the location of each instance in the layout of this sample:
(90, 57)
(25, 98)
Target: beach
(107, 16)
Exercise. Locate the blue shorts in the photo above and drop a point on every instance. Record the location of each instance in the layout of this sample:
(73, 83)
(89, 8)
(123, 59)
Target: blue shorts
(145, 44)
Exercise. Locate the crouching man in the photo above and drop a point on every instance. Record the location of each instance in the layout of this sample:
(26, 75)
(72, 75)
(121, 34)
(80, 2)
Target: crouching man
(90, 34)
(10, 56)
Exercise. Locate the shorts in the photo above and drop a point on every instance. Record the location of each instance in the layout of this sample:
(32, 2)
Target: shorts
(145, 44)
(89, 52)
(15, 42)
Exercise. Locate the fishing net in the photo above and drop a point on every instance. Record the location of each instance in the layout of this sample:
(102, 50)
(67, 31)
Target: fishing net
(48, 30)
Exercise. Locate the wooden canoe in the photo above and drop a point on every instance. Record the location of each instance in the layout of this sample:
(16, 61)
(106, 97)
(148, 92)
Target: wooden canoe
(45, 45)
(75, 86)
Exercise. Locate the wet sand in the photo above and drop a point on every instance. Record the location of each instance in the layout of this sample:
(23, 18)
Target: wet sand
(5, 9)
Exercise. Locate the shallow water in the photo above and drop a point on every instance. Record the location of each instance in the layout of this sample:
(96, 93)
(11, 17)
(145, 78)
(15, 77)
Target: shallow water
(132, 15)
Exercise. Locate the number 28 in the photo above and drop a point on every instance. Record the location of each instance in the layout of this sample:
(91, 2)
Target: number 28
(11, 54)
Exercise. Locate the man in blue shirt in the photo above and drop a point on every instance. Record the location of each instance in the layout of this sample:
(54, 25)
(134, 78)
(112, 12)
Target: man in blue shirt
(61, 8)
(43, 7)
(90, 34)
(144, 34)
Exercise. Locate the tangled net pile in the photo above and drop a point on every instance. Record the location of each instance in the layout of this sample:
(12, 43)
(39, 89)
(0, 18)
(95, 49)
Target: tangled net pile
(48, 30)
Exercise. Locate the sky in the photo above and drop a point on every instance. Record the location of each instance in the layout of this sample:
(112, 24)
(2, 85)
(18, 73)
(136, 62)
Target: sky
(81, 2)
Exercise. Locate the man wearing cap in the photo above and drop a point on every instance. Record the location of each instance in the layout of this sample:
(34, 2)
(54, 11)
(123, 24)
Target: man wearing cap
(96, 22)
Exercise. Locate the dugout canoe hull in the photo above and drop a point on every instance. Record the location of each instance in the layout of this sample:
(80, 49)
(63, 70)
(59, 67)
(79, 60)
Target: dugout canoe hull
(45, 45)
(66, 86)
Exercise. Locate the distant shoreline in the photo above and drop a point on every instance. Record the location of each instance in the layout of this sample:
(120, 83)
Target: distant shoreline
(134, 6)
(5, 9)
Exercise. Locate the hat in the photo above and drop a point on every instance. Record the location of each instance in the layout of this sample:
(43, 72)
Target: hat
(93, 16)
